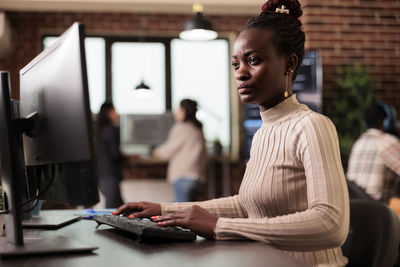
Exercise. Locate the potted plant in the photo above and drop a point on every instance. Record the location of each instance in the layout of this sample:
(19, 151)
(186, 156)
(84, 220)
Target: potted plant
(354, 94)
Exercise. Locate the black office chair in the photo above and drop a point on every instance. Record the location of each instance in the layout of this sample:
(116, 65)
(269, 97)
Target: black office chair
(356, 192)
(374, 235)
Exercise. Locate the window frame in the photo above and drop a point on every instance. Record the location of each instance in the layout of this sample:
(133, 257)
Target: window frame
(233, 148)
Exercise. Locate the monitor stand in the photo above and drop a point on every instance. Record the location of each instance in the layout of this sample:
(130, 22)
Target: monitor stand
(49, 221)
(43, 244)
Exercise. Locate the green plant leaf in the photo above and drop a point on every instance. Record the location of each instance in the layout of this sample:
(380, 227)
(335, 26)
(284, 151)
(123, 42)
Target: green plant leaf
(354, 94)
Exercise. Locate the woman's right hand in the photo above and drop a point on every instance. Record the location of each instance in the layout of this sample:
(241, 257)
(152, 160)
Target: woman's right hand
(139, 209)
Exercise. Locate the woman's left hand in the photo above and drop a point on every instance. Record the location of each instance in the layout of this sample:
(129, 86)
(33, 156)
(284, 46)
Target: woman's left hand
(194, 218)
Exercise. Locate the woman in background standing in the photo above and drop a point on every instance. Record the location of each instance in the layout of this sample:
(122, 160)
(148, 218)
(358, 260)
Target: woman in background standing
(109, 156)
(186, 152)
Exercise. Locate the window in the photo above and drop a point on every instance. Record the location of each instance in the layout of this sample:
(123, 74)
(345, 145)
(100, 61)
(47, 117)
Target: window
(133, 63)
(200, 71)
(174, 69)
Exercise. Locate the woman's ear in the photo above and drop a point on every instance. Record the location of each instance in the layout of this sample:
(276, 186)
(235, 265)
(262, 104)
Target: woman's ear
(292, 63)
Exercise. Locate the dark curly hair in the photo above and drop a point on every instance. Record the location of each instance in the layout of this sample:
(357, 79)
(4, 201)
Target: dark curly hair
(289, 37)
(374, 115)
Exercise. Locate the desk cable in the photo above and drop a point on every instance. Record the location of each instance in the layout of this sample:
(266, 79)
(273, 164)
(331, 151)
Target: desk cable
(39, 193)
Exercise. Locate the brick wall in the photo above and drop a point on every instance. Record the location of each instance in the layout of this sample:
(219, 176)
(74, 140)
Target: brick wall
(344, 31)
(29, 27)
(366, 32)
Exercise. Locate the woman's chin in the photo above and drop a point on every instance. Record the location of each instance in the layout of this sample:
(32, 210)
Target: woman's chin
(247, 99)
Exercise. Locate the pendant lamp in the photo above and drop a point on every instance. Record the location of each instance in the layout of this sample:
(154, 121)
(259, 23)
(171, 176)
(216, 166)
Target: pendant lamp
(142, 85)
(198, 28)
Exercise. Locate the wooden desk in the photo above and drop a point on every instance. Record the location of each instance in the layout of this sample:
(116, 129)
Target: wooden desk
(144, 168)
(116, 250)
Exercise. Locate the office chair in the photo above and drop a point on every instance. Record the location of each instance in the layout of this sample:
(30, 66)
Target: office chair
(374, 235)
(356, 192)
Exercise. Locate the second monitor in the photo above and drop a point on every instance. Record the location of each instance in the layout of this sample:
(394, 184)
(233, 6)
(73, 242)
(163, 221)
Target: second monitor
(146, 130)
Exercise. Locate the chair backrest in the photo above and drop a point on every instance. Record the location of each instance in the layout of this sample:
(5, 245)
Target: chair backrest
(374, 235)
(356, 192)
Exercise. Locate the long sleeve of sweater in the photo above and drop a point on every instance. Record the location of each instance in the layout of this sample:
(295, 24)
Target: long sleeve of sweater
(228, 207)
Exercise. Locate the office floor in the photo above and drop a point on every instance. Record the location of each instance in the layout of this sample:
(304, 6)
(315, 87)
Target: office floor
(143, 190)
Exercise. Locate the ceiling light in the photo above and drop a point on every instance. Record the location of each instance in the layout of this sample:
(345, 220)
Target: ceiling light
(198, 28)
(142, 85)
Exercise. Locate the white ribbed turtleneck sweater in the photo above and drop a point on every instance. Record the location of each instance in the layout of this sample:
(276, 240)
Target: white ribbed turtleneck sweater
(293, 195)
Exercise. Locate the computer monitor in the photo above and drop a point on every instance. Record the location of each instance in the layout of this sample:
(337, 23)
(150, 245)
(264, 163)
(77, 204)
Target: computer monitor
(308, 83)
(12, 169)
(58, 141)
(146, 129)
(54, 86)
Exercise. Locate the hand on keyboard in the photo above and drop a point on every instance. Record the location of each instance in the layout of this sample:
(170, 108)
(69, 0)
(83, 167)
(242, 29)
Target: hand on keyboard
(194, 218)
(139, 209)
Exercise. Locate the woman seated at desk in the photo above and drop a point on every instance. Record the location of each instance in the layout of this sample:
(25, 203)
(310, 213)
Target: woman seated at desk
(293, 195)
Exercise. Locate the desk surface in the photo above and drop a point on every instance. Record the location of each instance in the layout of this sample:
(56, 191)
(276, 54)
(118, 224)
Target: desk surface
(117, 250)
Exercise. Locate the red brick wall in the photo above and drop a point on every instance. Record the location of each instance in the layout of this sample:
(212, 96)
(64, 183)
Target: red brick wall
(357, 31)
(29, 28)
(344, 31)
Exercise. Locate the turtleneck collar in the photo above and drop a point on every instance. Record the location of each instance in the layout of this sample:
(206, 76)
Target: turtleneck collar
(280, 110)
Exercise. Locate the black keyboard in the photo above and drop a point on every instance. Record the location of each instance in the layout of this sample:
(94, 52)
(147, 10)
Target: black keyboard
(145, 229)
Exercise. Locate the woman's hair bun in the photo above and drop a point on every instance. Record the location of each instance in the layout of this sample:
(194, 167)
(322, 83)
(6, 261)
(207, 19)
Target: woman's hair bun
(293, 6)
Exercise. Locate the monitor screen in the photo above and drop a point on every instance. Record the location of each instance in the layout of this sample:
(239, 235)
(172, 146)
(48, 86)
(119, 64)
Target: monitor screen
(141, 129)
(60, 149)
(54, 84)
(308, 83)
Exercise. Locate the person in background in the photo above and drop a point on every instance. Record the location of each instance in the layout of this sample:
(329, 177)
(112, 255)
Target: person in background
(109, 156)
(293, 195)
(374, 162)
(186, 152)
(389, 124)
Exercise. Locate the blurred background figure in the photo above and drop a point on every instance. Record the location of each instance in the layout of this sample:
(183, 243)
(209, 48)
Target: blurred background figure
(185, 150)
(109, 155)
(389, 123)
(374, 162)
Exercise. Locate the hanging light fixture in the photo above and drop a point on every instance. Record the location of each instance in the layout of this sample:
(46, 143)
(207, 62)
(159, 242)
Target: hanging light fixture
(142, 86)
(198, 28)
(142, 89)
